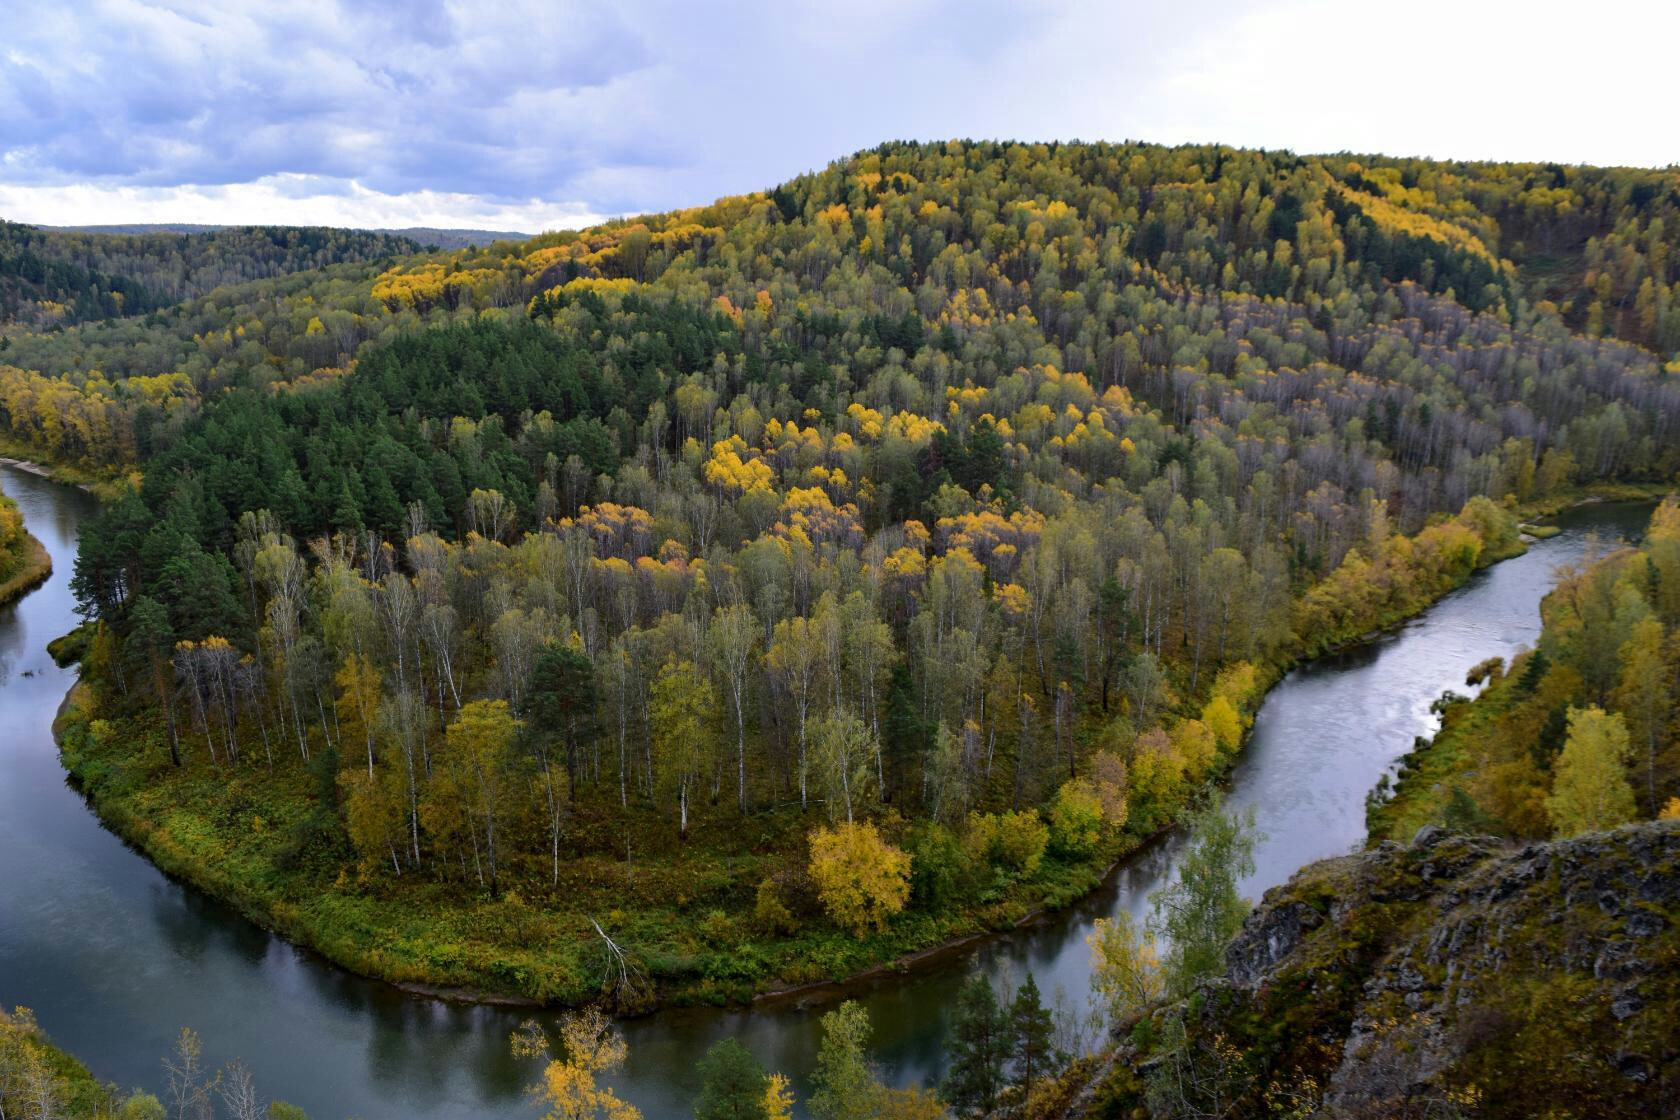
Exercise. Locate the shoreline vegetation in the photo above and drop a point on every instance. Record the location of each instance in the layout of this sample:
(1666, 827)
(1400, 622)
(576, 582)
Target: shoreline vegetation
(198, 835)
(1599, 674)
(25, 563)
(19, 456)
(40, 1081)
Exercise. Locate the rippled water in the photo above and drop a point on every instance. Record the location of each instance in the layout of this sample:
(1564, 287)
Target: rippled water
(115, 957)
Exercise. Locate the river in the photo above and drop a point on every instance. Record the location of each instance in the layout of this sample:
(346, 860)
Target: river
(115, 957)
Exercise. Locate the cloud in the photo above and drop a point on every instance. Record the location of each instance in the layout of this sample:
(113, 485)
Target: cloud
(507, 100)
(287, 200)
(550, 107)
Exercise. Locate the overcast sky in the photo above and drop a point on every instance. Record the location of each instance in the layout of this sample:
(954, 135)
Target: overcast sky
(534, 114)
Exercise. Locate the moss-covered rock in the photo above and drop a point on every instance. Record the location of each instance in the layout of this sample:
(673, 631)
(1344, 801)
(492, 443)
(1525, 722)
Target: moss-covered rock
(1453, 975)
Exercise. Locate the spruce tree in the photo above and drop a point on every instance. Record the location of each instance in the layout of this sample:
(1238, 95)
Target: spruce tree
(978, 1048)
(732, 1084)
(1032, 1037)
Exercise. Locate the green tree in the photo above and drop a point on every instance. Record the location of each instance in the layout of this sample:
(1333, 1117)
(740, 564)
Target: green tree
(470, 793)
(1201, 910)
(560, 702)
(980, 1044)
(842, 755)
(844, 1084)
(150, 636)
(678, 708)
(1590, 789)
(1646, 697)
(559, 705)
(1032, 1033)
(732, 1084)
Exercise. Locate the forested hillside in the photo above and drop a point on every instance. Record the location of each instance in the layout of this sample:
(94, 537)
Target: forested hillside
(770, 588)
(53, 278)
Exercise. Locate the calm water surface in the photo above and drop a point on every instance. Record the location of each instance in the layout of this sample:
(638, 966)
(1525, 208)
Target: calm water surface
(115, 957)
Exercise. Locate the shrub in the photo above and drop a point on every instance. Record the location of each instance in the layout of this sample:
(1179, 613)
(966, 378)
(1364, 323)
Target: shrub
(770, 912)
(939, 867)
(862, 880)
(1076, 818)
(1013, 841)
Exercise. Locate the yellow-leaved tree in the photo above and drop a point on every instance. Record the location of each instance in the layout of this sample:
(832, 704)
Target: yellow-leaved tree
(862, 880)
(778, 1097)
(1590, 788)
(1125, 965)
(590, 1046)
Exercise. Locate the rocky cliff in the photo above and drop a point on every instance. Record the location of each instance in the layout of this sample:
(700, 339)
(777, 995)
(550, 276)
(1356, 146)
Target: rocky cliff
(1452, 976)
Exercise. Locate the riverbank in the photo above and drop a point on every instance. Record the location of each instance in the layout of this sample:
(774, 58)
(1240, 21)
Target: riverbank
(688, 913)
(39, 1079)
(1505, 738)
(253, 838)
(25, 562)
(20, 457)
(30, 565)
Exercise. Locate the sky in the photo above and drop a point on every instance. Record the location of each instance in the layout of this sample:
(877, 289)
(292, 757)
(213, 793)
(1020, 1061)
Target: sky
(541, 114)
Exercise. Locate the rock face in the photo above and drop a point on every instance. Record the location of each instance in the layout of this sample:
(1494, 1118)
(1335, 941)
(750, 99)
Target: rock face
(1454, 976)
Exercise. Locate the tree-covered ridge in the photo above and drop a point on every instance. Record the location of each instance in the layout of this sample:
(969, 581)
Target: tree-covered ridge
(1578, 734)
(933, 265)
(54, 278)
(911, 539)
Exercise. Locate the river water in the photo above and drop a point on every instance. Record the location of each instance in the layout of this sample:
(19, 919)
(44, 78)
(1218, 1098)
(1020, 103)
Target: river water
(115, 957)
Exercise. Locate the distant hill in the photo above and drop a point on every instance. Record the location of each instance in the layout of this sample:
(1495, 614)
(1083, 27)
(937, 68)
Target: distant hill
(455, 238)
(56, 277)
(424, 235)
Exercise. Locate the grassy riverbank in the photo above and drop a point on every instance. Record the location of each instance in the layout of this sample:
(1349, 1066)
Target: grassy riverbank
(24, 562)
(267, 840)
(246, 835)
(1489, 765)
(24, 569)
(25, 458)
(39, 1079)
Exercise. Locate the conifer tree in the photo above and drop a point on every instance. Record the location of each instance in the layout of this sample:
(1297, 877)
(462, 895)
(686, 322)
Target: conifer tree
(732, 1084)
(978, 1049)
(1032, 1037)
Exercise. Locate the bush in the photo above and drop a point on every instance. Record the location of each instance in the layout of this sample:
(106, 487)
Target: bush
(939, 868)
(862, 880)
(1012, 841)
(1076, 818)
(770, 912)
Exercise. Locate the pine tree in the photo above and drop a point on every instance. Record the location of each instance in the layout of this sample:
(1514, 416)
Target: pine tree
(1032, 1037)
(732, 1084)
(978, 1048)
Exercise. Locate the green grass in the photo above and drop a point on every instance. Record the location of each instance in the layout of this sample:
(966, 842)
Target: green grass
(23, 569)
(1423, 787)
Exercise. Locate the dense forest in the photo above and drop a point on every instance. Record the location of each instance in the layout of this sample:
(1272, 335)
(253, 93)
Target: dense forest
(1578, 734)
(52, 278)
(749, 594)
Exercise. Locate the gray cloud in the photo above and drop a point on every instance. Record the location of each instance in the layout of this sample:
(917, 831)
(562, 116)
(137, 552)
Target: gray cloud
(500, 99)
